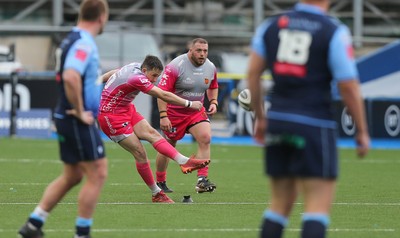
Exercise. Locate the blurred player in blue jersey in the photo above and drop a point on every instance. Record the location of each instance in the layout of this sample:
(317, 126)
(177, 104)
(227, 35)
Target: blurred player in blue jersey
(306, 50)
(81, 148)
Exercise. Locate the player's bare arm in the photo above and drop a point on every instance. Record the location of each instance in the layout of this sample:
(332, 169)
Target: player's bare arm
(255, 69)
(173, 99)
(107, 75)
(351, 95)
(162, 105)
(165, 123)
(212, 95)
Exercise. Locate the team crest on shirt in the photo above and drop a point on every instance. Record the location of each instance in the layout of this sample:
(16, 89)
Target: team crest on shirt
(206, 80)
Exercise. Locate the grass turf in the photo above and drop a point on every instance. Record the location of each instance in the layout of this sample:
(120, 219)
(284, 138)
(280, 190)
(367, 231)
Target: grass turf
(366, 206)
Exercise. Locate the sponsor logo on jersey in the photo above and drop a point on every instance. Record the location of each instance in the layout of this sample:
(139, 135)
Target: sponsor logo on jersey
(109, 106)
(112, 130)
(350, 52)
(283, 22)
(80, 54)
(188, 81)
(192, 94)
(145, 81)
(163, 80)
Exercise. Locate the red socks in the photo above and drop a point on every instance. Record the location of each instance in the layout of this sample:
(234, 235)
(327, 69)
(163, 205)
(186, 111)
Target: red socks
(161, 176)
(145, 172)
(203, 172)
(165, 148)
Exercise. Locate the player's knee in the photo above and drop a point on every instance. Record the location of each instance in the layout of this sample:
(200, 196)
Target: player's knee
(102, 174)
(98, 178)
(154, 134)
(72, 181)
(204, 138)
(140, 158)
(71, 177)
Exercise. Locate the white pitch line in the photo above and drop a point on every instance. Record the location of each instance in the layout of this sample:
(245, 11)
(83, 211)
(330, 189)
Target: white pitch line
(375, 161)
(202, 230)
(6, 160)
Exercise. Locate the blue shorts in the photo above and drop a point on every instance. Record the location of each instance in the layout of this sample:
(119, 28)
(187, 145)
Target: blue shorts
(299, 150)
(78, 142)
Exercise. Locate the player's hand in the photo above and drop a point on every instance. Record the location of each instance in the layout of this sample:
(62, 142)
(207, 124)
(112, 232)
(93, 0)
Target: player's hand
(260, 126)
(197, 105)
(85, 117)
(212, 109)
(165, 124)
(363, 143)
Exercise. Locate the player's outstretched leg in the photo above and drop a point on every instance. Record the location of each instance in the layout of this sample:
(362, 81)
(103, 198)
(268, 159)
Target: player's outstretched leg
(194, 164)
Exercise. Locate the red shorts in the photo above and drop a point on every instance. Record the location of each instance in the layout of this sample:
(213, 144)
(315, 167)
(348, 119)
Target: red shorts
(119, 126)
(182, 121)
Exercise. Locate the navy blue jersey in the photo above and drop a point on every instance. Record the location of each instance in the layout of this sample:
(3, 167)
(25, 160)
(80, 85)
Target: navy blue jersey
(306, 50)
(78, 141)
(78, 51)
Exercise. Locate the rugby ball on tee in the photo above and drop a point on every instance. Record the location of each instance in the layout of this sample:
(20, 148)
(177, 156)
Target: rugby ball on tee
(244, 99)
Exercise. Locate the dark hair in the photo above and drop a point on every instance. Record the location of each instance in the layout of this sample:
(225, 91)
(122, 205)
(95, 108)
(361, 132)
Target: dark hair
(152, 62)
(198, 40)
(91, 10)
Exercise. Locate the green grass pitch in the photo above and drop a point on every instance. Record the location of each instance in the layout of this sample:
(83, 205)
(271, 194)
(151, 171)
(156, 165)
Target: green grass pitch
(367, 204)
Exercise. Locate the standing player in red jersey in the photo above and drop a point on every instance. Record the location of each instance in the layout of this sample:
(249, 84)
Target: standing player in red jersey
(189, 76)
(120, 121)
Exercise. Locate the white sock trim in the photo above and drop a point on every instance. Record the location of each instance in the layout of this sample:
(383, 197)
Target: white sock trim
(181, 159)
(155, 189)
(41, 213)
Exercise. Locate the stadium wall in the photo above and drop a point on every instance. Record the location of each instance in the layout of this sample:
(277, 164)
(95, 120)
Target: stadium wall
(37, 93)
(379, 75)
